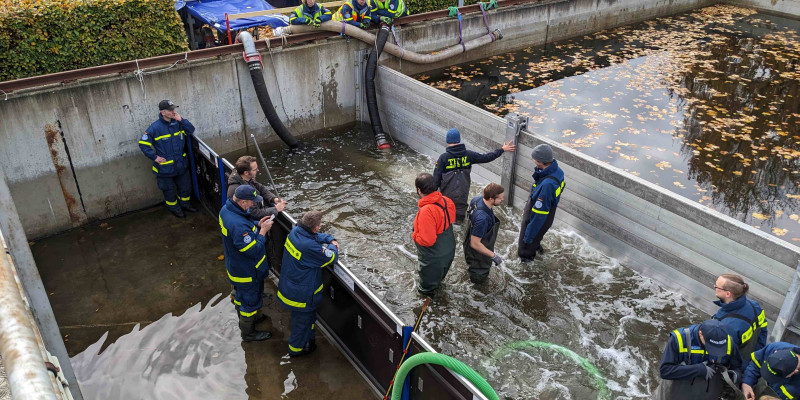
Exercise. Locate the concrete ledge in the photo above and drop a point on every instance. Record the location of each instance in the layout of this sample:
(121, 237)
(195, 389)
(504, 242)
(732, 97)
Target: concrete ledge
(784, 8)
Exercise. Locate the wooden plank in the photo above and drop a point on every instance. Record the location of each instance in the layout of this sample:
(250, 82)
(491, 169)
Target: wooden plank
(284, 10)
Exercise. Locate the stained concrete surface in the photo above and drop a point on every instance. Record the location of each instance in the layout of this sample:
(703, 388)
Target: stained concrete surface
(134, 269)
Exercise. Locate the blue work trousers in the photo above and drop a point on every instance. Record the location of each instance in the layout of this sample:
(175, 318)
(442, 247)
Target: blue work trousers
(303, 329)
(180, 197)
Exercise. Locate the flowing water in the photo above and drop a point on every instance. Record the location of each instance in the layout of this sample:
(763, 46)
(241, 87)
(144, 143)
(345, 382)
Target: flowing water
(573, 296)
(705, 104)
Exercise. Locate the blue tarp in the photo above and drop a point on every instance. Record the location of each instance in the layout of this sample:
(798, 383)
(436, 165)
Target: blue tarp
(212, 12)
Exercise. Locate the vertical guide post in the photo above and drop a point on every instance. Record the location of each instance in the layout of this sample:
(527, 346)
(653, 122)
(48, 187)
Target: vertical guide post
(223, 192)
(192, 165)
(228, 28)
(515, 123)
(28, 274)
(407, 331)
(788, 310)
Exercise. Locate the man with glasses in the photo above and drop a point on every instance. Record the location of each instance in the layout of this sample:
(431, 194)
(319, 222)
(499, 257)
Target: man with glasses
(743, 318)
(246, 171)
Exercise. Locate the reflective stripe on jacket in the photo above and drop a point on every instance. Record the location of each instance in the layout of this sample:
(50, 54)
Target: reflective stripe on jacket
(746, 322)
(167, 139)
(245, 250)
(786, 388)
(354, 14)
(304, 256)
(684, 355)
(302, 15)
(548, 184)
(390, 8)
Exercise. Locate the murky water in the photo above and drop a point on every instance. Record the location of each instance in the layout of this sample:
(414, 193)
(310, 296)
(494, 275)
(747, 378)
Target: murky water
(705, 104)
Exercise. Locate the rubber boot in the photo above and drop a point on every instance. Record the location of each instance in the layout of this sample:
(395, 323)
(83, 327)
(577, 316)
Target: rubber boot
(249, 332)
(260, 316)
(307, 349)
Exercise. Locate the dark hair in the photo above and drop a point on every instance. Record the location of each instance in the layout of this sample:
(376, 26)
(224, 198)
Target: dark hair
(735, 284)
(311, 219)
(492, 190)
(425, 184)
(243, 164)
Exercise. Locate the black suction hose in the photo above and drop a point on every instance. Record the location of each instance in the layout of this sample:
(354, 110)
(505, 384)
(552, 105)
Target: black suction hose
(253, 59)
(369, 84)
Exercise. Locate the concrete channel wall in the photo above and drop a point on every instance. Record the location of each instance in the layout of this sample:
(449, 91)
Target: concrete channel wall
(659, 234)
(786, 8)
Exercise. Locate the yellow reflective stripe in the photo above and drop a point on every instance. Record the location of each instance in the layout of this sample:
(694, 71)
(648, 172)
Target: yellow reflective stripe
(753, 356)
(747, 334)
(292, 250)
(171, 203)
(261, 261)
(177, 133)
(560, 188)
(145, 143)
(762, 319)
(770, 370)
(329, 261)
(319, 288)
(248, 314)
(155, 169)
(245, 248)
(239, 280)
(290, 302)
(294, 349)
(540, 212)
(698, 351)
(679, 337)
(786, 392)
(184, 154)
(254, 228)
(185, 198)
(729, 344)
(237, 302)
(224, 231)
(163, 137)
(167, 162)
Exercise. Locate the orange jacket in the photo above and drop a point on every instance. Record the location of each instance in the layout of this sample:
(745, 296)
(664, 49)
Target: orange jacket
(430, 220)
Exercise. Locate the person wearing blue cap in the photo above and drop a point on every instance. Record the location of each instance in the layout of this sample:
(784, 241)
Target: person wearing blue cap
(695, 360)
(778, 364)
(452, 172)
(163, 142)
(306, 252)
(540, 211)
(246, 262)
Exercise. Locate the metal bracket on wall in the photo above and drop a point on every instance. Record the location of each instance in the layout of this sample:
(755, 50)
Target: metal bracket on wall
(515, 123)
(360, 62)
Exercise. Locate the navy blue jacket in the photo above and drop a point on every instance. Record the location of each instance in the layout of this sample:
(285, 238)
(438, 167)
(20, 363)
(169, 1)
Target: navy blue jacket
(545, 195)
(303, 15)
(458, 157)
(482, 218)
(245, 251)
(786, 388)
(167, 139)
(692, 355)
(743, 331)
(304, 256)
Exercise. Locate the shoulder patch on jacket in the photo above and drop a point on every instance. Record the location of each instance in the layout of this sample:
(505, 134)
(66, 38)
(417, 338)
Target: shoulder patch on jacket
(247, 238)
(538, 203)
(144, 137)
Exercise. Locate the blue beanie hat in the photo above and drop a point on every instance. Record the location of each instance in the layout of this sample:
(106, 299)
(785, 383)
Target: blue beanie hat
(453, 136)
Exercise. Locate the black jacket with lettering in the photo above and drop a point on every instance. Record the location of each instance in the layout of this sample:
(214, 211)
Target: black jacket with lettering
(452, 173)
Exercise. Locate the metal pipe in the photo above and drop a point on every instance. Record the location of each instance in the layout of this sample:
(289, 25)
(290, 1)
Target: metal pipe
(27, 376)
(266, 167)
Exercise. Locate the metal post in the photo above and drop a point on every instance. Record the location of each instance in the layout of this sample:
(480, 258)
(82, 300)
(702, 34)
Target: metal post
(515, 123)
(788, 310)
(28, 274)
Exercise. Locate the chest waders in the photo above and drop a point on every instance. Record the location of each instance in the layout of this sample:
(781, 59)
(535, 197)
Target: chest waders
(455, 185)
(479, 264)
(434, 261)
(690, 389)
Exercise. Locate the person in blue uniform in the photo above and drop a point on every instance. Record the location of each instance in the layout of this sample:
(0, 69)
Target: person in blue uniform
(355, 12)
(539, 213)
(744, 318)
(309, 13)
(388, 10)
(246, 258)
(778, 363)
(482, 228)
(694, 360)
(306, 252)
(163, 142)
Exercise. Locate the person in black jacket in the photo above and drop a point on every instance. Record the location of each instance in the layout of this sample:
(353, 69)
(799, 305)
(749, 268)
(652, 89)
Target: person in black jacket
(452, 172)
(246, 171)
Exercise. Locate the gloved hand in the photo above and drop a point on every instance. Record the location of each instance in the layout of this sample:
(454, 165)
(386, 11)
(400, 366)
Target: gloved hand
(387, 20)
(364, 25)
(453, 11)
(710, 371)
(316, 22)
(497, 259)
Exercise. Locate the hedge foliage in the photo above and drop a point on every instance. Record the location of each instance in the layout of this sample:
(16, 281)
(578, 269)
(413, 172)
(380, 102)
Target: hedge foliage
(45, 36)
(423, 6)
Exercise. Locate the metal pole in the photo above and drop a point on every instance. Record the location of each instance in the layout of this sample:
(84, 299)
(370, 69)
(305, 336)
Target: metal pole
(788, 310)
(28, 274)
(258, 149)
(514, 125)
(22, 357)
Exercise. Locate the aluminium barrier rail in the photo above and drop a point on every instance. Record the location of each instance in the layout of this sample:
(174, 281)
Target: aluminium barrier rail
(353, 318)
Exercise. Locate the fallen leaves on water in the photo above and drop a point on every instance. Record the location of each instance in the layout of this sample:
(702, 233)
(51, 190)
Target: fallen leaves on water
(760, 216)
(779, 232)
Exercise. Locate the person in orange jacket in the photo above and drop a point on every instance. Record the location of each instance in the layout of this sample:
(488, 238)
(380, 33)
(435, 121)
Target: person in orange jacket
(433, 234)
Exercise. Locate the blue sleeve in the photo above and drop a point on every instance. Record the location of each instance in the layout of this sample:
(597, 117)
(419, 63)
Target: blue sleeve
(294, 19)
(326, 15)
(672, 369)
(540, 210)
(437, 171)
(481, 225)
(325, 238)
(248, 242)
(323, 257)
(753, 371)
(146, 145)
(187, 126)
(478, 158)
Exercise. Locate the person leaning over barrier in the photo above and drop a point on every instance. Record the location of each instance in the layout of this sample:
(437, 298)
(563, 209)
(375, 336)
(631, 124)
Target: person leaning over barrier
(482, 228)
(246, 171)
(694, 360)
(309, 13)
(779, 365)
(306, 252)
(355, 12)
(548, 183)
(163, 142)
(246, 258)
(388, 10)
(744, 318)
(433, 235)
(453, 168)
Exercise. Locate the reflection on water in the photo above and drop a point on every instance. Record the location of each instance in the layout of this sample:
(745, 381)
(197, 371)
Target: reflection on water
(704, 104)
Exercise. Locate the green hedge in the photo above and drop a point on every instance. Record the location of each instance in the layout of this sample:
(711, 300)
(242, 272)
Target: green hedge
(45, 36)
(423, 6)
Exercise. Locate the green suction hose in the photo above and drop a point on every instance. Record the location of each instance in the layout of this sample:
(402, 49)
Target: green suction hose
(447, 362)
(598, 379)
